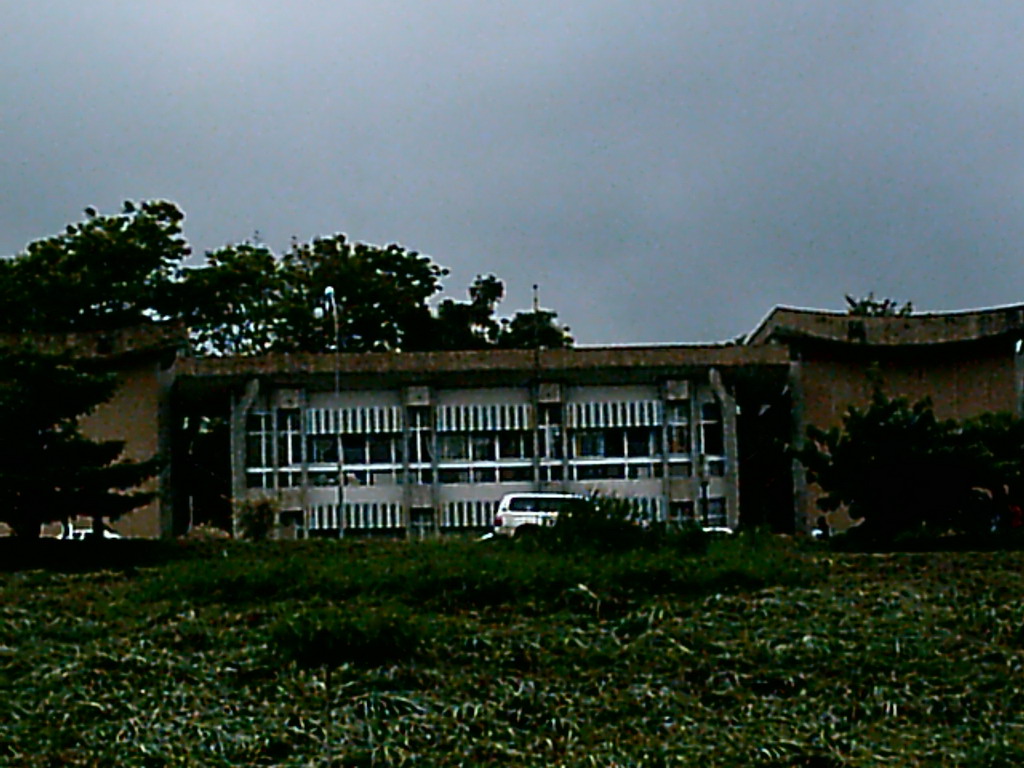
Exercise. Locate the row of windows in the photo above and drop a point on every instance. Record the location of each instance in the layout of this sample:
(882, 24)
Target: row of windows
(384, 449)
(469, 474)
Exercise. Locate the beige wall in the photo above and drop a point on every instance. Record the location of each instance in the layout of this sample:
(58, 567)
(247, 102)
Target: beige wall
(133, 415)
(960, 386)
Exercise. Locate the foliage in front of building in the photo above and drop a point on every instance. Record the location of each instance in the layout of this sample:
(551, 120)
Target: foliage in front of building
(255, 519)
(51, 471)
(906, 472)
(604, 523)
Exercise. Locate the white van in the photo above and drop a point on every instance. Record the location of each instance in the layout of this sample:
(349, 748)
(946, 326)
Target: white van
(519, 513)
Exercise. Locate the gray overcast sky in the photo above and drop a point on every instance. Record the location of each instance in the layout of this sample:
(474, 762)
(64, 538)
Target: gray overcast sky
(666, 170)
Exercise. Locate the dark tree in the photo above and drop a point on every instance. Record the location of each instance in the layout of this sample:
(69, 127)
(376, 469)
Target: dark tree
(51, 471)
(112, 271)
(101, 273)
(869, 306)
(229, 304)
(467, 324)
(529, 330)
(901, 469)
(380, 294)
(247, 301)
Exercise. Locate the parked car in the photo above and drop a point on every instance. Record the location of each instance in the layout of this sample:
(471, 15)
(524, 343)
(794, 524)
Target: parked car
(522, 513)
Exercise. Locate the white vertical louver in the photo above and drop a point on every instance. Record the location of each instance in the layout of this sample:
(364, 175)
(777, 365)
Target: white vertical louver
(482, 418)
(631, 413)
(473, 513)
(373, 420)
(364, 516)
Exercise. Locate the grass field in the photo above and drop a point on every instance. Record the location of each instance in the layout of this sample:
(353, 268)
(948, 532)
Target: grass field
(755, 652)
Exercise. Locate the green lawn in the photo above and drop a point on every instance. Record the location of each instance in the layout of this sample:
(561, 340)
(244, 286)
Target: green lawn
(756, 652)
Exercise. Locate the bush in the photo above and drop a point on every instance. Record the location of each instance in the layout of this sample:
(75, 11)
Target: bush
(602, 523)
(256, 518)
(905, 472)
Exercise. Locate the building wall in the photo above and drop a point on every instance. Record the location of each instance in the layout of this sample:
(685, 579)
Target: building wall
(960, 383)
(135, 415)
(422, 460)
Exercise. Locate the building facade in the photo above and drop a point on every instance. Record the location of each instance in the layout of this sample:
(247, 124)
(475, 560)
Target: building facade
(428, 443)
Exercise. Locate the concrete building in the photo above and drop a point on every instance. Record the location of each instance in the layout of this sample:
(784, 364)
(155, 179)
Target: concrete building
(420, 443)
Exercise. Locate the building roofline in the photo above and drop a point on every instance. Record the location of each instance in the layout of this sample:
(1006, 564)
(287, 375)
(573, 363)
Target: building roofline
(115, 343)
(927, 327)
(572, 358)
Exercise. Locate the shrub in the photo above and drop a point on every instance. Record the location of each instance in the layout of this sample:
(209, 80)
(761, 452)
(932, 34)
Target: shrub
(908, 473)
(603, 523)
(256, 518)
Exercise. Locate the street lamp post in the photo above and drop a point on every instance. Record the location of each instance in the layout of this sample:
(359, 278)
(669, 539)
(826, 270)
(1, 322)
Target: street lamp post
(331, 304)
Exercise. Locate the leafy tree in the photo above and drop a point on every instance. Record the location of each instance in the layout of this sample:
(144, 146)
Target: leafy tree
(900, 468)
(380, 294)
(529, 330)
(869, 306)
(101, 273)
(473, 325)
(467, 324)
(112, 271)
(247, 301)
(50, 470)
(228, 304)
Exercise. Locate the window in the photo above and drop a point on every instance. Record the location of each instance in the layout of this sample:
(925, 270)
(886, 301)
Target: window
(642, 442)
(323, 479)
(381, 449)
(259, 451)
(716, 514)
(353, 449)
(712, 436)
(418, 448)
(483, 447)
(681, 511)
(289, 438)
(453, 476)
(588, 443)
(453, 446)
(549, 422)
(600, 471)
(677, 421)
(515, 445)
(516, 474)
(259, 441)
(551, 473)
(322, 449)
(680, 469)
(643, 471)
(679, 439)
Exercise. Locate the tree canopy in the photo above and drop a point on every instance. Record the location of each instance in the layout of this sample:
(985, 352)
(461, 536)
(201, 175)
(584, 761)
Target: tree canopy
(111, 271)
